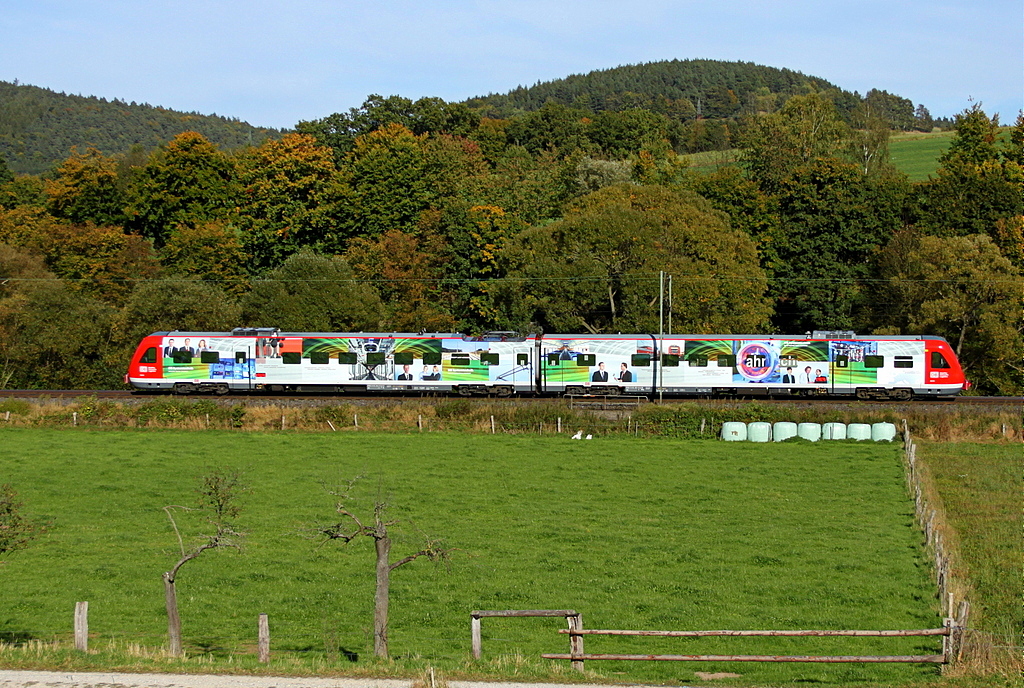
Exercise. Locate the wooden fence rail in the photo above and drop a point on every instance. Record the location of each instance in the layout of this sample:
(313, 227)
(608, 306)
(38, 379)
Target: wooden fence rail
(578, 657)
(573, 617)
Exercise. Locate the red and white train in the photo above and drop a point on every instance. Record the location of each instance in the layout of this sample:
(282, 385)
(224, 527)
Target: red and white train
(506, 364)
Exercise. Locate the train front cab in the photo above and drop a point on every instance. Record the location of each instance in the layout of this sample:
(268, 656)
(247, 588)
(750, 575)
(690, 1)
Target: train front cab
(943, 376)
(145, 372)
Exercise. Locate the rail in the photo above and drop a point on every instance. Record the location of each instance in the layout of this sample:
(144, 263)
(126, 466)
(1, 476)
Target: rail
(577, 657)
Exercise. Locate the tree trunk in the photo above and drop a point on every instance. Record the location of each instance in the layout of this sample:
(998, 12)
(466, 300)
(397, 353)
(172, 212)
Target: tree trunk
(173, 620)
(380, 600)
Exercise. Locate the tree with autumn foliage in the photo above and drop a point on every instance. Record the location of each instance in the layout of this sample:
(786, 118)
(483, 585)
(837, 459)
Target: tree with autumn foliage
(289, 198)
(99, 260)
(86, 189)
(407, 270)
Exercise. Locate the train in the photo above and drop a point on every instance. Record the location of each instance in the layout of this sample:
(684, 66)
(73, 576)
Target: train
(505, 364)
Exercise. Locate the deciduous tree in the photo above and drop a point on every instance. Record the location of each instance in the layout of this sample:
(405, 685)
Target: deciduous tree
(976, 185)
(186, 182)
(176, 303)
(86, 189)
(964, 289)
(313, 293)
(290, 191)
(831, 221)
(209, 251)
(596, 270)
(407, 271)
(351, 526)
(219, 492)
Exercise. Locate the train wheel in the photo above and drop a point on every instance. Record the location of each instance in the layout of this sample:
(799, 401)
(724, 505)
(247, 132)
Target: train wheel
(902, 394)
(184, 388)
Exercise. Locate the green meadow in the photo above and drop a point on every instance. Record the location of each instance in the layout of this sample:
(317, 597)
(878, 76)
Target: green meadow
(634, 533)
(916, 154)
(980, 487)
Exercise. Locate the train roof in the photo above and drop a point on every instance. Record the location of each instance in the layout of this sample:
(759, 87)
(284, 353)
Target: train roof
(515, 337)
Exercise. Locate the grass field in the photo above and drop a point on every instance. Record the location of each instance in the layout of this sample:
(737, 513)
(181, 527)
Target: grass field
(916, 154)
(981, 488)
(648, 534)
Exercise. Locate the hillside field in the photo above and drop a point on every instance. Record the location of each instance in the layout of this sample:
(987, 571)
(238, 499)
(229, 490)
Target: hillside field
(633, 533)
(916, 154)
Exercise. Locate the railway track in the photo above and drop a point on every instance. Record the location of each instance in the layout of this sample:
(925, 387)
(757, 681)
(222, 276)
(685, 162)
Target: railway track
(70, 395)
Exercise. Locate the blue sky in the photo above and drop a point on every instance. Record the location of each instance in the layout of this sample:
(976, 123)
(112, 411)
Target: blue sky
(276, 62)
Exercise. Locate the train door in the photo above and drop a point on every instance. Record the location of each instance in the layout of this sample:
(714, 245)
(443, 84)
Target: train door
(842, 377)
(243, 368)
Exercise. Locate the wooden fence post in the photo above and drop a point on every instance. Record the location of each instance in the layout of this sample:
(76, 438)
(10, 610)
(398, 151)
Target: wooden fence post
(419, 422)
(263, 641)
(492, 425)
(82, 626)
(576, 641)
(477, 642)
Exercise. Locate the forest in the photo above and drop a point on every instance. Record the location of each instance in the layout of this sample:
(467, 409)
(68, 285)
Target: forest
(425, 215)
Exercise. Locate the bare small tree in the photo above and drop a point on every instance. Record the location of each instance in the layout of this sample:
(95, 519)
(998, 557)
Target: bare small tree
(351, 527)
(219, 491)
(16, 531)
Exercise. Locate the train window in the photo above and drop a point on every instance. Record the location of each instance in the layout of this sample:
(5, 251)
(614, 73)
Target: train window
(696, 361)
(586, 360)
(241, 356)
(522, 359)
(554, 358)
(209, 357)
(939, 361)
(640, 360)
(903, 362)
(670, 360)
(490, 359)
(319, 358)
(403, 358)
(348, 358)
(726, 361)
(871, 361)
(460, 360)
(149, 356)
(182, 356)
(374, 358)
(842, 361)
(432, 358)
(291, 357)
